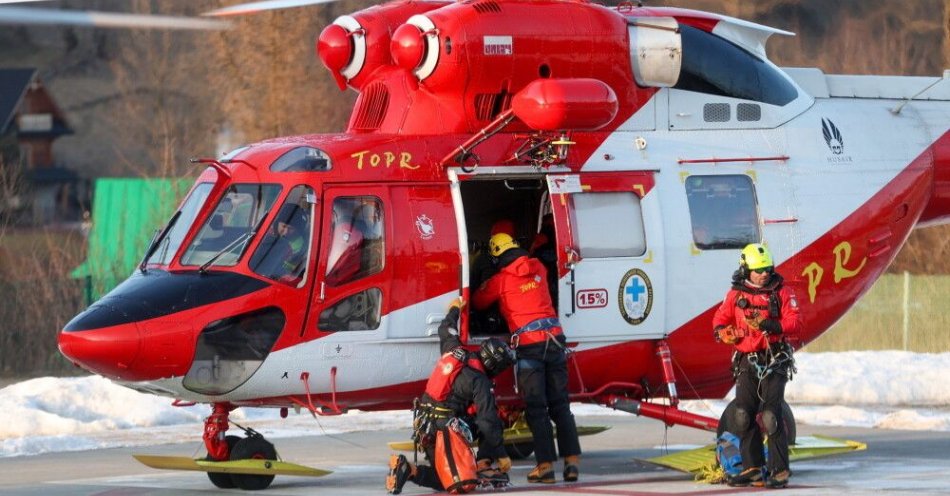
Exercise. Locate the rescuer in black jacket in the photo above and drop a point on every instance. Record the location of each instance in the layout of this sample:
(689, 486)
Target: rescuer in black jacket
(471, 399)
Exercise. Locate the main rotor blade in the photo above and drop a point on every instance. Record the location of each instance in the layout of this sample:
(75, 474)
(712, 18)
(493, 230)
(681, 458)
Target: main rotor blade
(29, 15)
(254, 7)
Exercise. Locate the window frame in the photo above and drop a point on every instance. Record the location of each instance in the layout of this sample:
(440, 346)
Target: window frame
(584, 225)
(708, 216)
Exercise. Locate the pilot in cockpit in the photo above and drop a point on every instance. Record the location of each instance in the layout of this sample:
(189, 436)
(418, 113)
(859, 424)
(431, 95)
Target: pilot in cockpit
(282, 254)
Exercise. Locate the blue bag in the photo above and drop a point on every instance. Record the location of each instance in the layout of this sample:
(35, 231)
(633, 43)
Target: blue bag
(728, 455)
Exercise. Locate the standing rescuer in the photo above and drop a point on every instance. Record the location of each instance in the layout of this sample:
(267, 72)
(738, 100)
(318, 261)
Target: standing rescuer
(520, 287)
(756, 316)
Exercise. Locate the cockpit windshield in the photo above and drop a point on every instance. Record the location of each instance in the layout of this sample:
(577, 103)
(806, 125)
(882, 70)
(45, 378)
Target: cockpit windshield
(228, 230)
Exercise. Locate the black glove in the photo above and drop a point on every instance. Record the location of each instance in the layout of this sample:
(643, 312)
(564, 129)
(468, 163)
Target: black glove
(770, 326)
(716, 336)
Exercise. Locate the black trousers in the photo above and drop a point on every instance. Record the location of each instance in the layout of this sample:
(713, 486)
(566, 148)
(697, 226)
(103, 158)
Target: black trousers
(542, 379)
(765, 396)
(426, 475)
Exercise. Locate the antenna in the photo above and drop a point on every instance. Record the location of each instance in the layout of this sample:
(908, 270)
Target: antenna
(897, 110)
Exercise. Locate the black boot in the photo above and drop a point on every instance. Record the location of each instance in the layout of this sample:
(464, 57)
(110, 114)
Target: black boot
(399, 472)
(495, 479)
(543, 473)
(572, 468)
(779, 480)
(748, 477)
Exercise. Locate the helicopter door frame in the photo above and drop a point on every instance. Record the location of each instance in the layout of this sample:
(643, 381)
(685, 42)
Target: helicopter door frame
(479, 199)
(619, 289)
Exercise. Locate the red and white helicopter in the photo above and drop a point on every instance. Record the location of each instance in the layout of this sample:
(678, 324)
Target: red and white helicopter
(659, 140)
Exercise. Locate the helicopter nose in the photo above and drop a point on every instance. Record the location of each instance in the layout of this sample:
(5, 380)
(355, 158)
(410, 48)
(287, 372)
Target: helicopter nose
(110, 352)
(134, 351)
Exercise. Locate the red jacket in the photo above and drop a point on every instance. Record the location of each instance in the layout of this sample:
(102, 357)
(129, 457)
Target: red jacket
(521, 290)
(752, 340)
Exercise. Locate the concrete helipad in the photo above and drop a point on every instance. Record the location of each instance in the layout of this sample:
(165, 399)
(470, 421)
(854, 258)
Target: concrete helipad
(896, 462)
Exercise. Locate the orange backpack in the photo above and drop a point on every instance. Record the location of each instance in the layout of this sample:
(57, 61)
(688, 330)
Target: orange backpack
(454, 460)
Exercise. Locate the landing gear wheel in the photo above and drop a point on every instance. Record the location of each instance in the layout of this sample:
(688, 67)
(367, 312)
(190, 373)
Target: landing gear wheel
(254, 447)
(219, 479)
(727, 421)
(519, 451)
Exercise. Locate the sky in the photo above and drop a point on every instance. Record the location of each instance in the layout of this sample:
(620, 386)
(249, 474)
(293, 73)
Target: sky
(883, 389)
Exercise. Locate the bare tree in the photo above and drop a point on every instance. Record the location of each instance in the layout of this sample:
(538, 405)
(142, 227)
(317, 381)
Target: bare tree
(271, 81)
(946, 34)
(11, 195)
(166, 112)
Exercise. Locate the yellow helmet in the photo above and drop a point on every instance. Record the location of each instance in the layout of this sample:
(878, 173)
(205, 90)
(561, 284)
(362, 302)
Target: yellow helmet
(756, 256)
(500, 243)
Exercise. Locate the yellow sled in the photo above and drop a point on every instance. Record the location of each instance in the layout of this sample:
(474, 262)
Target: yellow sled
(248, 467)
(805, 448)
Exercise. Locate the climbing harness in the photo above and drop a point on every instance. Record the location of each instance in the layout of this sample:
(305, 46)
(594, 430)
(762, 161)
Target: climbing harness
(776, 357)
(549, 327)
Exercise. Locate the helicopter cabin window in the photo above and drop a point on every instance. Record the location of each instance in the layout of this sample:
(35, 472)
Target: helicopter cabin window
(302, 159)
(356, 239)
(609, 225)
(230, 350)
(358, 312)
(224, 236)
(166, 247)
(283, 252)
(722, 210)
(716, 66)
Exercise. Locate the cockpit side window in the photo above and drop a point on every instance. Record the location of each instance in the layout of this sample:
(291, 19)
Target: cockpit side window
(357, 239)
(722, 211)
(226, 233)
(283, 252)
(357, 312)
(716, 66)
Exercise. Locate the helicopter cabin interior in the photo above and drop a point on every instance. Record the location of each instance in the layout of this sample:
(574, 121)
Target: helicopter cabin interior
(522, 200)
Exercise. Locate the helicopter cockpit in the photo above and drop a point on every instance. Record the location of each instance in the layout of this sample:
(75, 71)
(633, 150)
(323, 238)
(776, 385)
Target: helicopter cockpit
(237, 219)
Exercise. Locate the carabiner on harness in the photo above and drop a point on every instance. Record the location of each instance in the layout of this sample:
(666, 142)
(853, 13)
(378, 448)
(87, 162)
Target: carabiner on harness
(779, 357)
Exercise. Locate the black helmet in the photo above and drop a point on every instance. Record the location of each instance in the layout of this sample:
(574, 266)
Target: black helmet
(293, 215)
(496, 356)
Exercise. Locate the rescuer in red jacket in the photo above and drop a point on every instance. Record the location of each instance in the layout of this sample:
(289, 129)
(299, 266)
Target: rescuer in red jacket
(756, 316)
(460, 387)
(520, 288)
